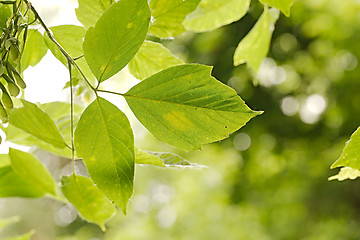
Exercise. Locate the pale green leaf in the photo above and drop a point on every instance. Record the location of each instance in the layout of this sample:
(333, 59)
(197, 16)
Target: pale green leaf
(8, 221)
(70, 37)
(283, 5)
(13, 185)
(350, 156)
(346, 173)
(254, 47)
(162, 159)
(4, 160)
(186, 107)
(150, 59)
(91, 204)
(26, 236)
(105, 141)
(34, 50)
(168, 16)
(29, 168)
(212, 14)
(89, 11)
(117, 36)
(33, 120)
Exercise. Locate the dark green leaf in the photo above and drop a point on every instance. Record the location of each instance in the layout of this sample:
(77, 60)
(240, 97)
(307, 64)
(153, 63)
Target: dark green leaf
(186, 107)
(105, 141)
(33, 120)
(116, 38)
(212, 14)
(5, 14)
(151, 58)
(168, 16)
(92, 205)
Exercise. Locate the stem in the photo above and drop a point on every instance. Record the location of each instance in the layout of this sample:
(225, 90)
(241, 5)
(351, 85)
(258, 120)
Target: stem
(72, 119)
(106, 91)
(62, 50)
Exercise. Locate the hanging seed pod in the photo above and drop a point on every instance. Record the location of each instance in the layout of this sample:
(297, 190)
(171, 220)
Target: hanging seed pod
(13, 89)
(3, 114)
(1, 68)
(5, 98)
(15, 75)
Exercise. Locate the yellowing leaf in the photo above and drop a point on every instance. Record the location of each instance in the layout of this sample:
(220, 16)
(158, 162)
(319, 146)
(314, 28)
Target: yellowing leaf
(151, 58)
(212, 14)
(104, 139)
(186, 107)
(116, 38)
(254, 47)
(346, 173)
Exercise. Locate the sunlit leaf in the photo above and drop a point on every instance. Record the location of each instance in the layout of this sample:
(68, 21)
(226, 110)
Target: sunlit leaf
(92, 205)
(26, 236)
(29, 168)
(162, 159)
(254, 47)
(33, 120)
(34, 50)
(70, 37)
(150, 59)
(8, 221)
(186, 107)
(5, 14)
(89, 11)
(283, 5)
(168, 16)
(116, 38)
(350, 156)
(4, 160)
(104, 139)
(346, 173)
(212, 14)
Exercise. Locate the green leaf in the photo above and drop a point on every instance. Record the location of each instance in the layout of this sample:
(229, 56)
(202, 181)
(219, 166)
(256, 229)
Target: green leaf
(5, 14)
(70, 37)
(346, 173)
(33, 120)
(89, 11)
(92, 205)
(350, 156)
(34, 50)
(162, 159)
(186, 107)
(283, 5)
(107, 48)
(151, 58)
(168, 16)
(8, 221)
(26, 236)
(13, 185)
(28, 167)
(212, 14)
(105, 141)
(4, 160)
(254, 47)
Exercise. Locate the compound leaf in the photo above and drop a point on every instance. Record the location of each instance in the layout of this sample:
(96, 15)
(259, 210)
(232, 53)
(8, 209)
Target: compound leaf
(186, 107)
(91, 204)
(212, 14)
(168, 16)
(117, 36)
(254, 47)
(105, 141)
(151, 58)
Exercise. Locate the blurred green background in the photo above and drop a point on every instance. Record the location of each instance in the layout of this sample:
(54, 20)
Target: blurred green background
(267, 181)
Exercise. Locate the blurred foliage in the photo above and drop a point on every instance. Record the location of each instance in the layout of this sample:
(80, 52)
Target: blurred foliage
(270, 179)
